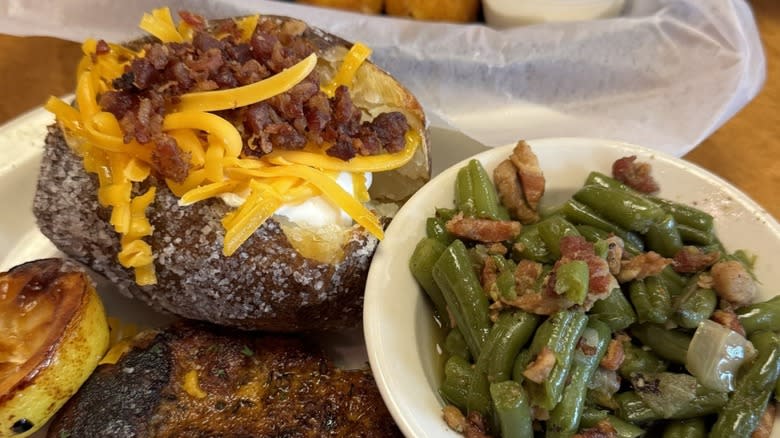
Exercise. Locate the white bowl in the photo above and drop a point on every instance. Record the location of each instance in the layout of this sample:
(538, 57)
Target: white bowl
(399, 329)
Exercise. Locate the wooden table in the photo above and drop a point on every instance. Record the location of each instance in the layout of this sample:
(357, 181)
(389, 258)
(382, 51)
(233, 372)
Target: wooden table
(745, 151)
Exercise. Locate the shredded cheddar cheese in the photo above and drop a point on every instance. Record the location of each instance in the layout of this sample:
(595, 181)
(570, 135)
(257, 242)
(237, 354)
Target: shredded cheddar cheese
(214, 145)
(191, 385)
(346, 74)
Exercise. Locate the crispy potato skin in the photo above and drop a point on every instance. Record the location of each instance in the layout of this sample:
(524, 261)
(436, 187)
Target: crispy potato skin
(254, 385)
(266, 284)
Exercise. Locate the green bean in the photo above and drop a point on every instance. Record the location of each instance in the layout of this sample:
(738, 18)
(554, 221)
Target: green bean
(552, 230)
(651, 304)
(446, 214)
(674, 282)
(686, 215)
(761, 316)
(581, 214)
(486, 201)
(614, 310)
(512, 409)
(521, 363)
(601, 248)
(512, 330)
(702, 402)
(529, 245)
(455, 344)
(421, 263)
(626, 210)
(663, 237)
(625, 429)
(743, 411)
(458, 374)
(591, 417)
(591, 233)
(690, 428)
(565, 417)
(504, 264)
(631, 408)
(571, 280)
(463, 294)
(694, 236)
(505, 283)
(464, 192)
(435, 228)
(560, 333)
(694, 306)
(478, 397)
(667, 344)
(777, 390)
(638, 360)
(600, 179)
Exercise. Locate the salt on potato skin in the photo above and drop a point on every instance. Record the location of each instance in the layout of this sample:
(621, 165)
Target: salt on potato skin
(265, 285)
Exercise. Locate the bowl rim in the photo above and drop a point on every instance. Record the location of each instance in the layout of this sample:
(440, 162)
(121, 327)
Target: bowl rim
(373, 327)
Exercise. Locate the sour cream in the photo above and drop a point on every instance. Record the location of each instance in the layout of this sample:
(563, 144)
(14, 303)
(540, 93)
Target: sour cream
(315, 212)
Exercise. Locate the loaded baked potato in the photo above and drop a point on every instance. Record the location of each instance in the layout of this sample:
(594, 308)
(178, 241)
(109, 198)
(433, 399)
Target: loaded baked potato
(217, 170)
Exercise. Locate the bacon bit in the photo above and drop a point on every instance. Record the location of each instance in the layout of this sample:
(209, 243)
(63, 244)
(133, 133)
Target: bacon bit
(764, 428)
(489, 275)
(642, 266)
(635, 175)
(531, 175)
(494, 310)
(614, 254)
(510, 192)
(733, 283)
(102, 48)
(539, 302)
(169, 160)
(727, 318)
(691, 259)
(483, 230)
(539, 370)
(497, 249)
(475, 427)
(587, 349)
(600, 281)
(704, 281)
(614, 356)
(454, 418)
(527, 273)
(602, 429)
(195, 21)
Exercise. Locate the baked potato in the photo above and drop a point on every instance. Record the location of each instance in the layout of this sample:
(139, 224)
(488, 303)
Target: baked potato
(113, 194)
(54, 332)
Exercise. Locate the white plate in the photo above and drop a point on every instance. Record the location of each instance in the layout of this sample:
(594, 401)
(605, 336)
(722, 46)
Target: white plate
(397, 318)
(21, 145)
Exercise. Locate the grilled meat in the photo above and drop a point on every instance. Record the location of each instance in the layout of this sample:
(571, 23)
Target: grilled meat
(202, 381)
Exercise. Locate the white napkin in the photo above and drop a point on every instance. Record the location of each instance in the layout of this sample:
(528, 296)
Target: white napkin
(665, 74)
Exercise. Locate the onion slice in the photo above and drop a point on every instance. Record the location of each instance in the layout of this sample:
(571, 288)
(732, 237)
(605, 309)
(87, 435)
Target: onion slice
(715, 355)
